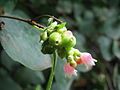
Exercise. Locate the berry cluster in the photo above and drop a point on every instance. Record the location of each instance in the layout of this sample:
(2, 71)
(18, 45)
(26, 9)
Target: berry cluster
(57, 37)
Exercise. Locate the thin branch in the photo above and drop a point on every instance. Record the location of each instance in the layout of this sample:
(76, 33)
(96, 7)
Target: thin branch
(48, 16)
(25, 20)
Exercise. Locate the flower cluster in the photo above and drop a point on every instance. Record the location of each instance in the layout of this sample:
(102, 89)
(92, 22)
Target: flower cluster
(57, 37)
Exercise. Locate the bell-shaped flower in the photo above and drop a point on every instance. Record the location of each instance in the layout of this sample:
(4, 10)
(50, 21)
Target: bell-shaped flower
(69, 70)
(86, 59)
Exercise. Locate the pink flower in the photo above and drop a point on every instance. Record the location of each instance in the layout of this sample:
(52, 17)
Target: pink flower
(69, 70)
(87, 59)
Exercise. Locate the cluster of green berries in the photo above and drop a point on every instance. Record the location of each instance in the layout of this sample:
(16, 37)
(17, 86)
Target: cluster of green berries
(57, 37)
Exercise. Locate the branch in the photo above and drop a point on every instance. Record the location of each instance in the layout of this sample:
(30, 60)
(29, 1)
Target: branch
(25, 20)
(48, 16)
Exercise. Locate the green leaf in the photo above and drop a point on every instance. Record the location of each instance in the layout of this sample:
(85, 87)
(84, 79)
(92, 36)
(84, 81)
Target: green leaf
(113, 32)
(8, 62)
(116, 48)
(59, 26)
(6, 82)
(64, 6)
(27, 76)
(80, 41)
(21, 42)
(105, 47)
(8, 5)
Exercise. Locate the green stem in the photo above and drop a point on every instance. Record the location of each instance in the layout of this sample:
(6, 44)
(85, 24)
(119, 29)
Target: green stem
(54, 62)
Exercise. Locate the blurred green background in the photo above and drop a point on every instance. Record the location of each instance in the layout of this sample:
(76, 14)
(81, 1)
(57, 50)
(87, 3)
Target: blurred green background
(96, 25)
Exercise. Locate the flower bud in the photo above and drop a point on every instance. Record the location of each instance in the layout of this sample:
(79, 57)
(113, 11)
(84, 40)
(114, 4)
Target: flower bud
(55, 39)
(50, 20)
(43, 36)
(76, 51)
(69, 58)
(73, 63)
(78, 60)
(68, 40)
(70, 51)
(51, 27)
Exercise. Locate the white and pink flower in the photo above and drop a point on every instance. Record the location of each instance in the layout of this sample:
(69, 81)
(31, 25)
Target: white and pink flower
(86, 59)
(69, 70)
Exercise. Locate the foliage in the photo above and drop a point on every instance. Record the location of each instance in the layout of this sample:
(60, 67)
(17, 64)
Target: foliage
(96, 25)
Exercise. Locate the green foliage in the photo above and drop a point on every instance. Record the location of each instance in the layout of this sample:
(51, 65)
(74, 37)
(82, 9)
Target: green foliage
(21, 42)
(96, 26)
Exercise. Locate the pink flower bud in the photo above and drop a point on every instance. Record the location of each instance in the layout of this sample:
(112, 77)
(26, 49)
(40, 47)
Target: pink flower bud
(69, 32)
(69, 70)
(87, 59)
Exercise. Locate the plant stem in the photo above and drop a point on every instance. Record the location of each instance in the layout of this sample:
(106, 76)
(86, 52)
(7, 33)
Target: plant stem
(54, 62)
(25, 20)
(48, 16)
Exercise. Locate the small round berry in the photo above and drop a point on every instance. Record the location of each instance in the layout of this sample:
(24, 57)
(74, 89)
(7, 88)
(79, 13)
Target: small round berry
(68, 40)
(43, 36)
(55, 38)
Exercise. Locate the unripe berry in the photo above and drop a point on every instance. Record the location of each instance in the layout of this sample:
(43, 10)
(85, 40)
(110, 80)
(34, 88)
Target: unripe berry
(43, 36)
(55, 39)
(68, 40)
(73, 63)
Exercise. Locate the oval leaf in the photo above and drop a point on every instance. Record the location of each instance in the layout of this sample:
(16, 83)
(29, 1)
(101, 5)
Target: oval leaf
(21, 42)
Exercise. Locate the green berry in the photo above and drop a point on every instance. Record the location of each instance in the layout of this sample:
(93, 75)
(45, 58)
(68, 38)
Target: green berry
(43, 36)
(55, 39)
(68, 40)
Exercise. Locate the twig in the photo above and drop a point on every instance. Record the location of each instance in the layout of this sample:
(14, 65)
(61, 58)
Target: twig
(48, 16)
(25, 20)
